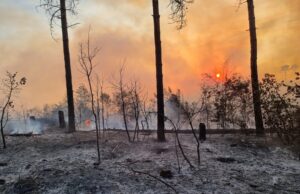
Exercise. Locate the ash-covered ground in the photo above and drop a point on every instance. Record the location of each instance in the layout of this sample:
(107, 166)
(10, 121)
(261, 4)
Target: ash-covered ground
(56, 162)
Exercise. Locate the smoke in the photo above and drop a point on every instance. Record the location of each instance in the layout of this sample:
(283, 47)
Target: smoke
(27, 126)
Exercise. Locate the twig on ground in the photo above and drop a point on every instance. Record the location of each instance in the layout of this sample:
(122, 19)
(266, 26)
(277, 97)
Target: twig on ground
(177, 156)
(154, 177)
(115, 148)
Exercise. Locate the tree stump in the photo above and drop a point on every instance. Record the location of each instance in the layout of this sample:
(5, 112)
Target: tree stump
(61, 119)
(202, 132)
(166, 174)
(32, 118)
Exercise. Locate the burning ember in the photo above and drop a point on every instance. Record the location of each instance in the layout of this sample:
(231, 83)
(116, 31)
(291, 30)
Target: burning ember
(87, 122)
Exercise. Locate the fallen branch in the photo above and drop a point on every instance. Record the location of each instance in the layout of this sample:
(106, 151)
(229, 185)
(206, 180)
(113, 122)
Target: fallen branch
(115, 148)
(179, 144)
(177, 156)
(23, 134)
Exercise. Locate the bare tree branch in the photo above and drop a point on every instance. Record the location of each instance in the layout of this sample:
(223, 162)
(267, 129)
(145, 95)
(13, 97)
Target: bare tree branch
(10, 86)
(179, 11)
(86, 56)
(53, 9)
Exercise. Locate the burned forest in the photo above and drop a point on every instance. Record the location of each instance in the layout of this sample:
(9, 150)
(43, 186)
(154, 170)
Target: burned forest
(149, 96)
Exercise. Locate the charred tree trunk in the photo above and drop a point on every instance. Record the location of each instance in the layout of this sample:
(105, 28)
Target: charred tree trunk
(2, 125)
(197, 140)
(3, 121)
(86, 62)
(98, 109)
(64, 27)
(3, 138)
(102, 108)
(136, 107)
(2, 129)
(96, 119)
(125, 115)
(159, 74)
(80, 117)
(61, 119)
(254, 73)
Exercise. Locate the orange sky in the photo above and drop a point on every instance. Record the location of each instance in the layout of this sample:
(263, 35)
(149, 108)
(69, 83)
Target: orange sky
(216, 32)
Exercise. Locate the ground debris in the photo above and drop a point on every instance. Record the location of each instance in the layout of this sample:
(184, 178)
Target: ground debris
(159, 150)
(233, 145)
(22, 134)
(226, 159)
(28, 166)
(166, 174)
(26, 185)
(2, 181)
(3, 164)
(54, 163)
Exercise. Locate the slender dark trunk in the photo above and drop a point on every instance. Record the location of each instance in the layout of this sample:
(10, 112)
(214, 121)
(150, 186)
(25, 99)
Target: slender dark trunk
(61, 119)
(179, 144)
(64, 27)
(207, 117)
(159, 74)
(124, 114)
(98, 107)
(197, 140)
(136, 116)
(136, 128)
(80, 117)
(254, 72)
(177, 155)
(3, 137)
(3, 123)
(181, 149)
(95, 117)
(102, 116)
(98, 115)
(102, 107)
(145, 116)
(2, 127)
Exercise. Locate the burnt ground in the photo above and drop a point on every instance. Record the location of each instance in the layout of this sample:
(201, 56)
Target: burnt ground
(56, 162)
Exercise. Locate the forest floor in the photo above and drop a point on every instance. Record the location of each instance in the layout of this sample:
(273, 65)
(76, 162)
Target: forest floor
(57, 162)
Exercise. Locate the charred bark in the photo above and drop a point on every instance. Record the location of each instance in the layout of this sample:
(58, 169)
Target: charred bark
(159, 74)
(2, 127)
(254, 72)
(61, 119)
(95, 117)
(124, 114)
(86, 57)
(102, 108)
(64, 27)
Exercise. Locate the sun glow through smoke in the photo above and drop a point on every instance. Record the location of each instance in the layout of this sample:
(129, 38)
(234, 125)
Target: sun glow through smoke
(122, 34)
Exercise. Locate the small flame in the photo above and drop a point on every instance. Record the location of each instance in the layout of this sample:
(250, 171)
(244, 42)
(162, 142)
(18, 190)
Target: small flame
(218, 75)
(87, 122)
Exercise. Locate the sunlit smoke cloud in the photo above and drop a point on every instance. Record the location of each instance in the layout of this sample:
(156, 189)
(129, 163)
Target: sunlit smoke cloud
(216, 32)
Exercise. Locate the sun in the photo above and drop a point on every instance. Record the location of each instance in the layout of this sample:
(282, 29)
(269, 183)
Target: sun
(218, 75)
